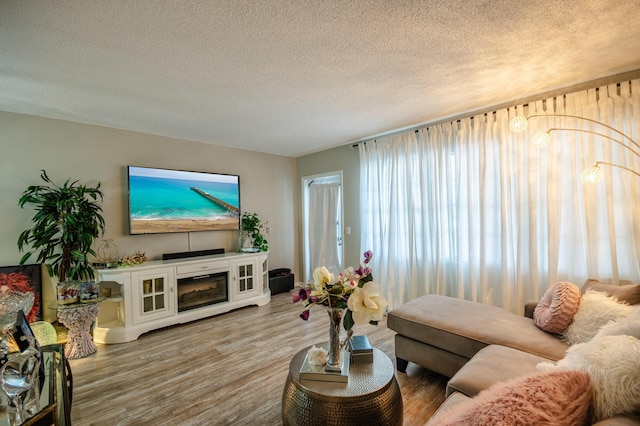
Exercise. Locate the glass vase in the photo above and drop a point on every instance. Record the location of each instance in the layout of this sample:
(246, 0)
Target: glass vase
(334, 360)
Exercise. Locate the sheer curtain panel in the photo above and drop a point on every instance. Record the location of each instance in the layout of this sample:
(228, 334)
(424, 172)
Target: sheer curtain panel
(323, 227)
(472, 210)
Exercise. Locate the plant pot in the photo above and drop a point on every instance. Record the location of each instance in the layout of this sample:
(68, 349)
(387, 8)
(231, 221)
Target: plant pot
(67, 292)
(89, 291)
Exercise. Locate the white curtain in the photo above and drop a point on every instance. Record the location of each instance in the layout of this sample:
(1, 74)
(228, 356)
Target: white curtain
(323, 227)
(472, 210)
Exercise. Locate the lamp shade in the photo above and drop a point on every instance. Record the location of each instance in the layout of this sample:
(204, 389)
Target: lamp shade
(541, 139)
(593, 175)
(518, 123)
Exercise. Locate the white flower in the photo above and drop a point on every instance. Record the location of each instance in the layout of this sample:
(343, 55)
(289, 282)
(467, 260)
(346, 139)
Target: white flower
(318, 293)
(348, 286)
(321, 277)
(350, 273)
(317, 356)
(367, 304)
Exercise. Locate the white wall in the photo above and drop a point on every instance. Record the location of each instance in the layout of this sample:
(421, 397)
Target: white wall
(94, 154)
(346, 159)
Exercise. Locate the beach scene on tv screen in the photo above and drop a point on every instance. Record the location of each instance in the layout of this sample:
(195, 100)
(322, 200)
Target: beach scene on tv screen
(162, 201)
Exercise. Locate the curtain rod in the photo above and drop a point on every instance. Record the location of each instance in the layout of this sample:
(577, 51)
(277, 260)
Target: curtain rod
(597, 83)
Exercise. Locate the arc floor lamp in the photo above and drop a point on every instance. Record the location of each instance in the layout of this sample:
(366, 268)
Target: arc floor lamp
(593, 174)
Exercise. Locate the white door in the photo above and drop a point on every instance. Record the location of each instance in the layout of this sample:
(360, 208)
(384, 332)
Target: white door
(322, 216)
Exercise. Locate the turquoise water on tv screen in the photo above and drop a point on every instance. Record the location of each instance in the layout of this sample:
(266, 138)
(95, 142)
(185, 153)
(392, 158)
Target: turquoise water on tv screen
(166, 198)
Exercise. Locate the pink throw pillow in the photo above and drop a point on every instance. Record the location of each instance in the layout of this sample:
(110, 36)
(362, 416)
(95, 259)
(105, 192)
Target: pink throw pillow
(555, 310)
(558, 398)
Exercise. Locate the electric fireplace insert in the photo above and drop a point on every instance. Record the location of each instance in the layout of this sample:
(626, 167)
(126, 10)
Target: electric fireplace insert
(202, 290)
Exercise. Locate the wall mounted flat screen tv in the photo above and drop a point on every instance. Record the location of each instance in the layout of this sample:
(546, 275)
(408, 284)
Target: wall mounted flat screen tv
(164, 200)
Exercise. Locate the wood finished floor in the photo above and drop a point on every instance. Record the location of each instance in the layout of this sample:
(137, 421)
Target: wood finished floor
(225, 370)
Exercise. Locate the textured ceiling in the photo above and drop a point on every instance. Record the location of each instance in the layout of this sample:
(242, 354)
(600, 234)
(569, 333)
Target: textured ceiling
(295, 77)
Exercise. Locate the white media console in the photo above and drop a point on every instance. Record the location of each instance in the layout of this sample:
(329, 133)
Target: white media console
(161, 293)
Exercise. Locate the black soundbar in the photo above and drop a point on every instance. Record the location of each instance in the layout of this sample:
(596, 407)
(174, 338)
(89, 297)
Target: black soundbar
(185, 254)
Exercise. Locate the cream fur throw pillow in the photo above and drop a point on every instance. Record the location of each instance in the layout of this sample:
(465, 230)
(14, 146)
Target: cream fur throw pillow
(596, 309)
(629, 325)
(613, 365)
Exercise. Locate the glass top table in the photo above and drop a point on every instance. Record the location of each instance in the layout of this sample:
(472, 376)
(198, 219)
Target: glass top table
(53, 407)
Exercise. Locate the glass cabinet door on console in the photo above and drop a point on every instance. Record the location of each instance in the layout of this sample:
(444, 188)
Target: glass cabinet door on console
(264, 260)
(153, 295)
(246, 276)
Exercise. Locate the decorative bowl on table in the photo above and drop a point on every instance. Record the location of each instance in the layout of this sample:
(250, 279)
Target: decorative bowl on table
(67, 292)
(11, 302)
(89, 292)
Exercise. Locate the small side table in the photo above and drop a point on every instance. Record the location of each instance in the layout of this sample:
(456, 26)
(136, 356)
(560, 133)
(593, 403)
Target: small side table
(78, 318)
(372, 396)
(53, 406)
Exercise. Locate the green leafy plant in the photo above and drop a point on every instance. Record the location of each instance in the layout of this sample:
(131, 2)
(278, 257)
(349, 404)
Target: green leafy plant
(67, 220)
(253, 227)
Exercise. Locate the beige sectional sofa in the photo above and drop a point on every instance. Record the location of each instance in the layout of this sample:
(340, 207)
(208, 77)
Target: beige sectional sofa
(475, 345)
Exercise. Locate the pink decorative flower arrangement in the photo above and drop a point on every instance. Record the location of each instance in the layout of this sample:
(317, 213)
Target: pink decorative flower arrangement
(353, 290)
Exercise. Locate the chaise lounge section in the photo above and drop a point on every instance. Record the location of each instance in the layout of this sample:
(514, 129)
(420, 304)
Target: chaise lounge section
(479, 346)
(443, 333)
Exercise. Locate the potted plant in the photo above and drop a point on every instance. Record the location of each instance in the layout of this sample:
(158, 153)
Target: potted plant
(252, 229)
(67, 219)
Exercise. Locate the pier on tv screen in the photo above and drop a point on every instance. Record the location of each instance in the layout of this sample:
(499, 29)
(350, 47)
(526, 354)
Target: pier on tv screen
(164, 200)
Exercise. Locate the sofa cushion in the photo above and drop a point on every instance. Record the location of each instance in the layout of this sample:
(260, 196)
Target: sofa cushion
(543, 398)
(613, 364)
(556, 308)
(491, 365)
(463, 327)
(452, 400)
(596, 309)
(624, 293)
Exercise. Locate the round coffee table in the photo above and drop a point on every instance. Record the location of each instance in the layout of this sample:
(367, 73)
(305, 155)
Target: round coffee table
(372, 395)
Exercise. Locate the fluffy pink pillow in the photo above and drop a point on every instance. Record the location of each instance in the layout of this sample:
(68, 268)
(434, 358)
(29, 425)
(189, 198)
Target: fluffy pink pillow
(555, 310)
(558, 398)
